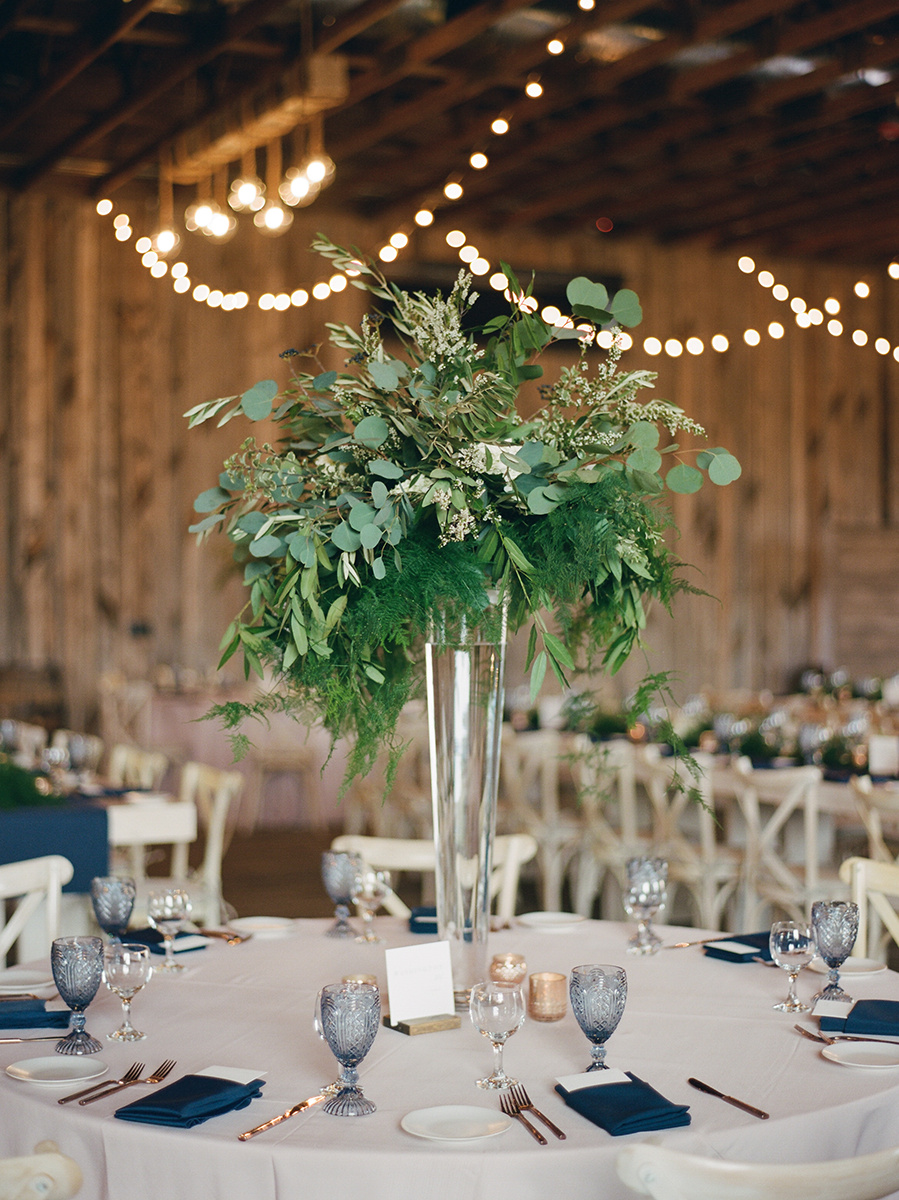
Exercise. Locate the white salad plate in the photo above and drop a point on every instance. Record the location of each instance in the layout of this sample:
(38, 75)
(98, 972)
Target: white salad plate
(863, 1054)
(857, 967)
(550, 922)
(264, 927)
(60, 1068)
(16, 980)
(455, 1123)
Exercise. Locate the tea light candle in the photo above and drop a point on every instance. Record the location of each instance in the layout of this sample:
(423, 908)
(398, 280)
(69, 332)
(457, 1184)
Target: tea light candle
(360, 979)
(508, 968)
(547, 996)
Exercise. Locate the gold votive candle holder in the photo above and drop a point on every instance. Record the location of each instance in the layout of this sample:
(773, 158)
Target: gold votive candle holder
(547, 996)
(360, 979)
(508, 968)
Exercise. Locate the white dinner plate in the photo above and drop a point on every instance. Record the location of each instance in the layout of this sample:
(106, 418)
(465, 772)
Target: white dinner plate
(863, 1054)
(455, 1123)
(264, 927)
(857, 967)
(61, 1068)
(16, 980)
(552, 922)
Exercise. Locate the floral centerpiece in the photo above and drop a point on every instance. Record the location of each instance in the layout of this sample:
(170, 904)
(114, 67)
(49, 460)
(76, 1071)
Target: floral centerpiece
(408, 483)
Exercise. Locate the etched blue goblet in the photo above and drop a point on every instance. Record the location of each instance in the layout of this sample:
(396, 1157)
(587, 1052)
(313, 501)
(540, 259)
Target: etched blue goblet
(835, 923)
(340, 871)
(113, 901)
(350, 1014)
(598, 994)
(77, 964)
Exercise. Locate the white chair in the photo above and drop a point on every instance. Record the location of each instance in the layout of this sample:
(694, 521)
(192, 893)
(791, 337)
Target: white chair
(31, 741)
(666, 1174)
(211, 794)
(878, 810)
(874, 887)
(130, 766)
(510, 852)
(32, 883)
(687, 835)
(529, 798)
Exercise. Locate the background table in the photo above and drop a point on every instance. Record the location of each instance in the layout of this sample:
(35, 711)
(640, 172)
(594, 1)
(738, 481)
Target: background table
(251, 1006)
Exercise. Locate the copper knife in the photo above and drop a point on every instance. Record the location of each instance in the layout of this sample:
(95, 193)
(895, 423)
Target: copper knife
(704, 1087)
(290, 1112)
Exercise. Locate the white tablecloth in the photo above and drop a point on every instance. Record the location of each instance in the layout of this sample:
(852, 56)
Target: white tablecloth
(251, 1006)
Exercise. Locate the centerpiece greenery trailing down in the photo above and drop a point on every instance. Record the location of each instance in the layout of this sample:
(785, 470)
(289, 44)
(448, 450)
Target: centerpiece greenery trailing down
(407, 483)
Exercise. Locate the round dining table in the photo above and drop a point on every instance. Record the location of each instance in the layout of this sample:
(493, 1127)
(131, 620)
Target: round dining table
(250, 1006)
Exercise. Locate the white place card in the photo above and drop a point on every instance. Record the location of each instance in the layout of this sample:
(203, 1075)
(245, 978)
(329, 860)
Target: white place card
(574, 1083)
(419, 981)
(831, 1008)
(234, 1074)
(735, 947)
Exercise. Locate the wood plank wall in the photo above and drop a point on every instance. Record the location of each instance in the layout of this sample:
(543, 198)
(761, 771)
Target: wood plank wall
(98, 362)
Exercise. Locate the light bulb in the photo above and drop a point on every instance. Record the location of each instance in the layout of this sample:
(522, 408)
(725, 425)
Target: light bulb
(245, 193)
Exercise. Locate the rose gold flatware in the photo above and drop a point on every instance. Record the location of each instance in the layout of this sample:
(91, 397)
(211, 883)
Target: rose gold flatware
(290, 1112)
(50, 1037)
(509, 1107)
(684, 945)
(132, 1073)
(523, 1100)
(231, 936)
(157, 1077)
(710, 1091)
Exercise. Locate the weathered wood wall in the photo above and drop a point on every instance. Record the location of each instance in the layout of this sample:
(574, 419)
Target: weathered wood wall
(98, 362)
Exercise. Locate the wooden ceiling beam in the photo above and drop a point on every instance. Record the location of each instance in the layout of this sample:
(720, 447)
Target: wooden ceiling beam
(816, 237)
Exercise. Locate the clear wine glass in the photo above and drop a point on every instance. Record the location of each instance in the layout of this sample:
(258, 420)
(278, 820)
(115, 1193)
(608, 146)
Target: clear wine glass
(77, 964)
(126, 969)
(646, 895)
(113, 901)
(792, 946)
(497, 1010)
(349, 1015)
(168, 912)
(598, 994)
(835, 923)
(370, 889)
(339, 872)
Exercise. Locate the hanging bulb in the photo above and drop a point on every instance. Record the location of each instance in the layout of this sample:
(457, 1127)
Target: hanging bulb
(221, 227)
(247, 194)
(320, 169)
(296, 188)
(198, 215)
(273, 219)
(166, 241)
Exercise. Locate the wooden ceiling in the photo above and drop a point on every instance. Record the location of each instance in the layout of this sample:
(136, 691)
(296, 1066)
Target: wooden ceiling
(765, 123)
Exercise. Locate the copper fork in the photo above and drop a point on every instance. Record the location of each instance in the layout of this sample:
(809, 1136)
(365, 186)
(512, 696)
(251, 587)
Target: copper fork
(511, 1109)
(157, 1077)
(523, 1100)
(133, 1072)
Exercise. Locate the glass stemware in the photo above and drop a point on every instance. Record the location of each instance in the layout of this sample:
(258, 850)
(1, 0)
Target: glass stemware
(349, 1016)
(77, 964)
(168, 912)
(126, 969)
(646, 894)
(835, 923)
(497, 1010)
(113, 901)
(370, 889)
(339, 873)
(598, 994)
(792, 945)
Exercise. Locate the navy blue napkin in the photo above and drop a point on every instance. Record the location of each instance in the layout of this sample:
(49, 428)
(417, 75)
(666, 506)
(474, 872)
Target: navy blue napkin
(154, 939)
(622, 1108)
(760, 943)
(191, 1101)
(423, 920)
(31, 1014)
(877, 1017)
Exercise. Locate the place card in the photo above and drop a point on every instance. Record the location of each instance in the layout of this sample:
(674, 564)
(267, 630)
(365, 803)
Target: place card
(419, 981)
(234, 1074)
(574, 1083)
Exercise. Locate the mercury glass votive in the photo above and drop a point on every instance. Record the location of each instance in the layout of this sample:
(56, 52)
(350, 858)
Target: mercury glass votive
(547, 996)
(508, 968)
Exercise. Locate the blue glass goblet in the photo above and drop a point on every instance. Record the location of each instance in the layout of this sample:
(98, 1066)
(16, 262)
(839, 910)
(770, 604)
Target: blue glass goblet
(77, 964)
(835, 923)
(113, 901)
(350, 1014)
(598, 995)
(339, 874)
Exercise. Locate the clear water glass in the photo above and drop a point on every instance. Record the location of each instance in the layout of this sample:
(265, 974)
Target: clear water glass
(835, 923)
(113, 902)
(645, 896)
(339, 874)
(77, 964)
(370, 889)
(168, 912)
(349, 1015)
(497, 1010)
(126, 969)
(598, 993)
(792, 945)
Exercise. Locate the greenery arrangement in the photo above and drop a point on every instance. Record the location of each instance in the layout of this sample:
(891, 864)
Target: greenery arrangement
(22, 789)
(408, 484)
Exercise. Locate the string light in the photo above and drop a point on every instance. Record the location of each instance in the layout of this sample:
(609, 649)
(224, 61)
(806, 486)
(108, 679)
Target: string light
(752, 337)
(453, 190)
(500, 126)
(555, 46)
(479, 161)
(424, 217)
(862, 290)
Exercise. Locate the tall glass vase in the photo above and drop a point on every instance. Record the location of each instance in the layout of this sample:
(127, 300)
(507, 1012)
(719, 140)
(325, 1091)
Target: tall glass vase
(465, 711)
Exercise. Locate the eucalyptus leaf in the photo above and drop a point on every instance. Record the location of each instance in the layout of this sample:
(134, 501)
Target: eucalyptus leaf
(625, 308)
(361, 515)
(582, 293)
(370, 536)
(385, 375)
(346, 538)
(266, 546)
(252, 522)
(325, 381)
(684, 479)
(385, 468)
(645, 459)
(724, 469)
(210, 500)
(378, 569)
(379, 494)
(256, 401)
(206, 523)
(371, 432)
